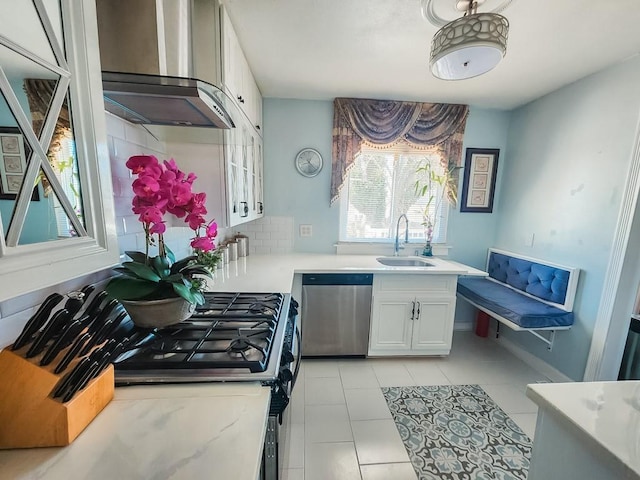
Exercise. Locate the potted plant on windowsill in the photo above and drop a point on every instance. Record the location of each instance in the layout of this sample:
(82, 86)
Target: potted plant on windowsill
(159, 290)
(436, 186)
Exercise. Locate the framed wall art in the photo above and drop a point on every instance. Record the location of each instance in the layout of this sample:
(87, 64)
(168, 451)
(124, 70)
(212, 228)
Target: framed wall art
(479, 182)
(13, 163)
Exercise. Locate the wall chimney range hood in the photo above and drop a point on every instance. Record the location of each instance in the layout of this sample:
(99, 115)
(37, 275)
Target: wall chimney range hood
(165, 100)
(147, 56)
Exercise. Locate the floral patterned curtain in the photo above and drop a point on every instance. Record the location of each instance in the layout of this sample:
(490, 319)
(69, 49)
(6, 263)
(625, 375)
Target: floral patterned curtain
(383, 123)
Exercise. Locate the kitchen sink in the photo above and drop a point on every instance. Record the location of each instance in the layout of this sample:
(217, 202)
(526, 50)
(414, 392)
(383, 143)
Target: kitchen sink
(403, 262)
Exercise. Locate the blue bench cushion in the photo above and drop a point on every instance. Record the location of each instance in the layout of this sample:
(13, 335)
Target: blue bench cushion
(542, 281)
(520, 309)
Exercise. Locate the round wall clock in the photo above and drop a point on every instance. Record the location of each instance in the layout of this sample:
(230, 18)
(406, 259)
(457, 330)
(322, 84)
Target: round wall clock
(309, 162)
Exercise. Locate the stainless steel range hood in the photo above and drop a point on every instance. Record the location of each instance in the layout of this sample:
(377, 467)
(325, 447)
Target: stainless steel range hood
(146, 51)
(165, 100)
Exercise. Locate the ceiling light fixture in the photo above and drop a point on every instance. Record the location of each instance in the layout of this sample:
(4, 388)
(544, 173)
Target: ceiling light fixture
(468, 46)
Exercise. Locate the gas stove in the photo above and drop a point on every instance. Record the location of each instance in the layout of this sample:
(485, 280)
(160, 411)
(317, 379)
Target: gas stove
(232, 337)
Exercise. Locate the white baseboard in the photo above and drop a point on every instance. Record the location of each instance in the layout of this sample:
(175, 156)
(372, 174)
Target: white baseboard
(463, 326)
(543, 367)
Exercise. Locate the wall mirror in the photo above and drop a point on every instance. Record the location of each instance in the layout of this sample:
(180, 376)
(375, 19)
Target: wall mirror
(51, 128)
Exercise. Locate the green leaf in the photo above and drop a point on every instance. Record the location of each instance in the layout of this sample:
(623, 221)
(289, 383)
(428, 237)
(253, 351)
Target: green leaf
(199, 297)
(125, 272)
(196, 269)
(123, 288)
(176, 277)
(170, 254)
(180, 264)
(137, 256)
(142, 271)
(184, 292)
(161, 266)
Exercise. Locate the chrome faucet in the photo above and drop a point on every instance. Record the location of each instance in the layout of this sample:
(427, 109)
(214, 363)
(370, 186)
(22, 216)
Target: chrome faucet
(406, 234)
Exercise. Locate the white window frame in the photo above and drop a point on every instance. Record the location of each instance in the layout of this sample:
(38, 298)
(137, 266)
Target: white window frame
(27, 268)
(344, 205)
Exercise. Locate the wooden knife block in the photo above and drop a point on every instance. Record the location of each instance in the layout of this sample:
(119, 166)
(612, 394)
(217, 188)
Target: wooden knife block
(31, 417)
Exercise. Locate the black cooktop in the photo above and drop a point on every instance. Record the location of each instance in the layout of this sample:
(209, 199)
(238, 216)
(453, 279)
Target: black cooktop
(230, 331)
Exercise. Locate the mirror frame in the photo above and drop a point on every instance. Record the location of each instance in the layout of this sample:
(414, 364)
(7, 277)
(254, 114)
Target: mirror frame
(26, 268)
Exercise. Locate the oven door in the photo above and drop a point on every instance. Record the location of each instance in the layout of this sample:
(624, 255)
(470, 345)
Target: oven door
(281, 394)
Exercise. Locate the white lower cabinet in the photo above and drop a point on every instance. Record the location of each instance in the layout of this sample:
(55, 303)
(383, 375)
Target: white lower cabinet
(412, 314)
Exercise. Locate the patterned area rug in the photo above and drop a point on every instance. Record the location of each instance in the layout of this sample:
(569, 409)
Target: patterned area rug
(457, 432)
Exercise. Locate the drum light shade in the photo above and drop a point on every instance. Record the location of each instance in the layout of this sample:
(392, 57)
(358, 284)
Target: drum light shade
(469, 46)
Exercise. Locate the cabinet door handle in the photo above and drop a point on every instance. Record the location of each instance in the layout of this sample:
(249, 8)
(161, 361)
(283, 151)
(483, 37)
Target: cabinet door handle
(413, 310)
(260, 207)
(257, 127)
(418, 312)
(240, 98)
(245, 209)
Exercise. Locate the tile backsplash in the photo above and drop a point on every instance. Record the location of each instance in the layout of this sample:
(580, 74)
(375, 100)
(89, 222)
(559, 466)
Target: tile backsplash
(268, 235)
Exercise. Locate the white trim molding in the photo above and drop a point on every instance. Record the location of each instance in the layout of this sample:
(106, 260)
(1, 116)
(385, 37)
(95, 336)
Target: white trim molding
(595, 370)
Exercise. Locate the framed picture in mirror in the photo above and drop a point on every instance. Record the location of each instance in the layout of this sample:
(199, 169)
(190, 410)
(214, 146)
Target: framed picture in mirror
(479, 182)
(14, 152)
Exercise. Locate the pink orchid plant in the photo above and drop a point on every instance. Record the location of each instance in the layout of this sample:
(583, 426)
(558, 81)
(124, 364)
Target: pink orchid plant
(160, 189)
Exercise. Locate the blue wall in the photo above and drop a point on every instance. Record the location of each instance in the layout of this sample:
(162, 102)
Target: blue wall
(291, 125)
(470, 234)
(569, 154)
(40, 223)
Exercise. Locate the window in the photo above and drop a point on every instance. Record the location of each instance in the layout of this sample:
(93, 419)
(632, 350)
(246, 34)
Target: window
(381, 187)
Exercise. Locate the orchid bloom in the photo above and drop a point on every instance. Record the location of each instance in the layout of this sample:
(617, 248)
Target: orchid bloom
(164, 188)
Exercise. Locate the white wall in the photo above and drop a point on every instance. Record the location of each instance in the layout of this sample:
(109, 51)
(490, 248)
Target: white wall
(569, 153)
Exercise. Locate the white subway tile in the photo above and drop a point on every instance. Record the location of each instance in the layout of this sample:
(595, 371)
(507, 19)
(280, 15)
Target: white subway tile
(261, 250)
(115, 126)
(11, 326)
(264, 221)
(281, 235)
(263, 235)
(255, 243)
(285, 244)
(132, 225)
(272, 227)
(128, 242)
(278, 250)
(135, 134)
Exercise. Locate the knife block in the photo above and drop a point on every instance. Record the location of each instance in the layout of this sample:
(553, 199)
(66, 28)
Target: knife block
(31, 417)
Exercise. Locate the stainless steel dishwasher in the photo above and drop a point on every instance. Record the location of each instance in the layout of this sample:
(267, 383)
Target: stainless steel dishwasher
(336, 310)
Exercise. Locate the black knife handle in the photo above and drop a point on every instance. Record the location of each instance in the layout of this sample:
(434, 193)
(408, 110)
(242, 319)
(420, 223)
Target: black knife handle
(95, 337)
(70, 332)
(101, 316)
(88, 290)
(95, 304)
(72, 353)
(105, 333)
(37, 320)
(81, 382)
(59, 318)
(66, 381)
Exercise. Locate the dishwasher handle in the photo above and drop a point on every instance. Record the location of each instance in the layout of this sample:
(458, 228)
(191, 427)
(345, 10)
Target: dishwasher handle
(337, 279)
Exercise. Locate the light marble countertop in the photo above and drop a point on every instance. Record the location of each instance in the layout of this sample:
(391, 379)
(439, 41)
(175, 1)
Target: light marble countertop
(159, 432)
(606, 414)
(274, 273)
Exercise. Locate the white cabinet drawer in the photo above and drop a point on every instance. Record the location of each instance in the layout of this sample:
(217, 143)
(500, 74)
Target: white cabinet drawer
(444, 285)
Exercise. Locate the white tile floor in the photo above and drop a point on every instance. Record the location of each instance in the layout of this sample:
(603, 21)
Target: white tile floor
(339, 427)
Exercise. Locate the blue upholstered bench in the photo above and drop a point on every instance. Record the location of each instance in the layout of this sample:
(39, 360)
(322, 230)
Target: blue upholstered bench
(523, 293)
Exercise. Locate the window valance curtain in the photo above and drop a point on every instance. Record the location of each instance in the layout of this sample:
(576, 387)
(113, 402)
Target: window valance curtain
(383, 123)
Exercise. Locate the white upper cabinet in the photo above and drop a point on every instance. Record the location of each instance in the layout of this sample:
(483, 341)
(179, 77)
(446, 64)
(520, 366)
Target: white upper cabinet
(56, 208)
(237, 78)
